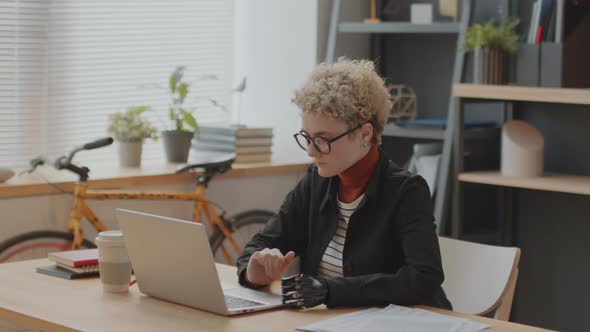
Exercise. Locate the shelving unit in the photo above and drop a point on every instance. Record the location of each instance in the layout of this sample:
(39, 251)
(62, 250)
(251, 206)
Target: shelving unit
(407, 132)
(436, 28)
(565, 183)
(428, 133)
(398, 27)
(573, 184)
(522, 93)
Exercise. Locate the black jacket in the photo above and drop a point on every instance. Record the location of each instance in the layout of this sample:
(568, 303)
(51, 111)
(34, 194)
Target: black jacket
(391, 252)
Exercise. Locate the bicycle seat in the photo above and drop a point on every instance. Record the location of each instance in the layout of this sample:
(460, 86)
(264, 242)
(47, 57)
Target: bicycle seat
(216, 167)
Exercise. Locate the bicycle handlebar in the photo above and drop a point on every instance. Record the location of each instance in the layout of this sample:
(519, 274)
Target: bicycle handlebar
(99, 143)
(64, 162)
(61, 162)
(36, 162)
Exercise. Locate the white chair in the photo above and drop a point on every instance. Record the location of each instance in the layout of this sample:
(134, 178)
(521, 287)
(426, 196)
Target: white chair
(479, 278)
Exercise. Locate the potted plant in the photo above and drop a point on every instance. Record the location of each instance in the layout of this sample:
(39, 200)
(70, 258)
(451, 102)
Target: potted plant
(177, 142)
(130, 130)
(492, 42)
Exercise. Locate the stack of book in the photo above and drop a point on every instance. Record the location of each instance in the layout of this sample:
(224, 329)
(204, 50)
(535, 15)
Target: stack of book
(250, 145)
(72, 264)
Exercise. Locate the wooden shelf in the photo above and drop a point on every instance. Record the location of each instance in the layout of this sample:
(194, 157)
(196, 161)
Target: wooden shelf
(522, 93)
(574, 184)
(408, 132)
(431, 133)
(398, 27)
(109, 175)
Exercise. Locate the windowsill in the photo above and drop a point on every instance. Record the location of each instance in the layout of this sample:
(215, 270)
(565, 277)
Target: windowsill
(109, 175)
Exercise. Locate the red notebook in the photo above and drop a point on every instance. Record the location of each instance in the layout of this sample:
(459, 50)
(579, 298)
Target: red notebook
(75, 258)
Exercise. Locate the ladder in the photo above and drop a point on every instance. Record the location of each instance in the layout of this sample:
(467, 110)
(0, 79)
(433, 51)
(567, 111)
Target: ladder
(442, 201)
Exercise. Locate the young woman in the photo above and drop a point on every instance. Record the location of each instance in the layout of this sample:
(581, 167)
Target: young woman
(362, 226)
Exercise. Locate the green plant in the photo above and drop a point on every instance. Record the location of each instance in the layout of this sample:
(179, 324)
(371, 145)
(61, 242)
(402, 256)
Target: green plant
(129, 126)
(176, 111)
(500, 36)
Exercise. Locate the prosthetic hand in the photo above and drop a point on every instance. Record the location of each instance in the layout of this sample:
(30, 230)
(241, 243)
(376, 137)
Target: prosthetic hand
(303, 291)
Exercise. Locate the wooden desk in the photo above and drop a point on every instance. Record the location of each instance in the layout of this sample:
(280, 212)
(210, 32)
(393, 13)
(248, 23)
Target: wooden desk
(52, 304)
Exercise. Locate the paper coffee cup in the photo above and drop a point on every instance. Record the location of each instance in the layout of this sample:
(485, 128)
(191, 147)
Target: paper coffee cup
(113, 263)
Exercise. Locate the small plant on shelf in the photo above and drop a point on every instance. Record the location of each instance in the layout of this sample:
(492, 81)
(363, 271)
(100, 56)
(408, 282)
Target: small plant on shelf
(129, 126)
(130, 130)
(501, 36)
(491, 42)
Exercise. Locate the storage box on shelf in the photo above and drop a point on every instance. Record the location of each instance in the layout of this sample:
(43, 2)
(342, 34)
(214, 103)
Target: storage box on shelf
(576, 184)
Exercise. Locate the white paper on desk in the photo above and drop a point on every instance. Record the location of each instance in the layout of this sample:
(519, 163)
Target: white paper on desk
(394, 318)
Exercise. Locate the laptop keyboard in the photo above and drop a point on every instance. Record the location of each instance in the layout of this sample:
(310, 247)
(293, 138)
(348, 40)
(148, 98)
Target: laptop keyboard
(238, 302)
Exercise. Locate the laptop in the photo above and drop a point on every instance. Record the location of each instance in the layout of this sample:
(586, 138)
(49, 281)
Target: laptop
(172, 261)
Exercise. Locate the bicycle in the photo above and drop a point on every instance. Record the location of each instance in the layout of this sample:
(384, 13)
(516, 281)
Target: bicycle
(224, 232)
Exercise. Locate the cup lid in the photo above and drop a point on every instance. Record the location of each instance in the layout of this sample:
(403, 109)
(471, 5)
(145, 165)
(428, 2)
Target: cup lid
(115, 236)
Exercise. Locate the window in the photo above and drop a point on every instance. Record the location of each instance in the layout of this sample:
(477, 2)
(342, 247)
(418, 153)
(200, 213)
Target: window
(65, 65)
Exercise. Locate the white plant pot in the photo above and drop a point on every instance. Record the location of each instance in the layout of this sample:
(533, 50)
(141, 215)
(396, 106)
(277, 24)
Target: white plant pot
(130, 154)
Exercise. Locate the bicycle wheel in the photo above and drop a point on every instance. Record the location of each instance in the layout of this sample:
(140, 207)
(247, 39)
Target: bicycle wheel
(243, 227)
(37, 244)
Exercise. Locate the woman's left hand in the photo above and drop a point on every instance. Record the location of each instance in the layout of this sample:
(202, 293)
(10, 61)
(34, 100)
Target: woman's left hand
(303, 291)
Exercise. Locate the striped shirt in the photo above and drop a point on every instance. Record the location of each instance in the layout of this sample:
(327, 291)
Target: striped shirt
(331, 264)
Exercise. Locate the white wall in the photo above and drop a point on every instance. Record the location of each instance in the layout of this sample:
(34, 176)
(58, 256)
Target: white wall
(275, 48)
(277, 44)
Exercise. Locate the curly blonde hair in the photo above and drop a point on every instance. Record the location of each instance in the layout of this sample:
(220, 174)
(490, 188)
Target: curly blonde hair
(349, 90)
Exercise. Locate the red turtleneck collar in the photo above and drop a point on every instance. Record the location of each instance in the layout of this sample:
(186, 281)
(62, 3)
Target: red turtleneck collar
(354, 180)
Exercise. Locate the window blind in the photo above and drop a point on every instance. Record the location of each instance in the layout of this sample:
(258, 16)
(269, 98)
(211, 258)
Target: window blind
(23, 47)
(100, 57)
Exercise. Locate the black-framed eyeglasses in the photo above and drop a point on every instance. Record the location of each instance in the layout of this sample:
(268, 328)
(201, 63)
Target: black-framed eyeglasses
(321, 144)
